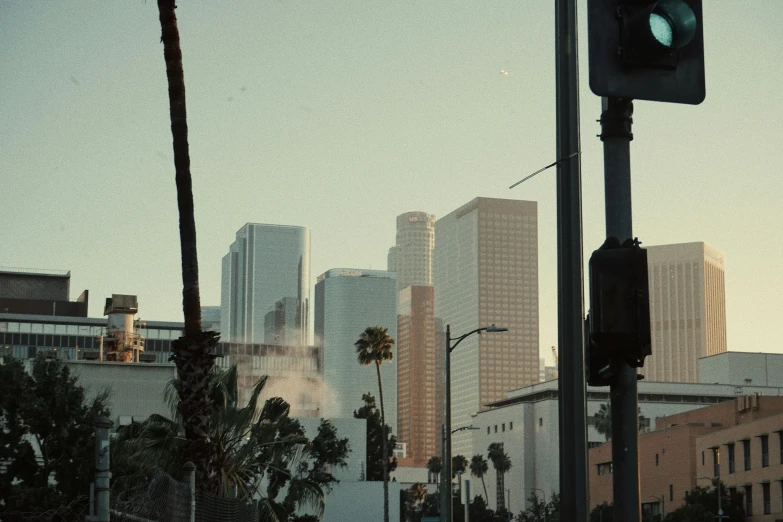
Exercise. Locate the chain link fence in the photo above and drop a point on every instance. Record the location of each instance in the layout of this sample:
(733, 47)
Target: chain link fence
(163, 500)
(210, 508)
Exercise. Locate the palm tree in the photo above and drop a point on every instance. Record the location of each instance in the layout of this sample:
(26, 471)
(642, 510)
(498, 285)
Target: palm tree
(603, 421)
(459, 464)
(418, 491)
(479, 468)
(251, 444)
(374, 347)
(435, 466)
(502, 463)
(193, 353)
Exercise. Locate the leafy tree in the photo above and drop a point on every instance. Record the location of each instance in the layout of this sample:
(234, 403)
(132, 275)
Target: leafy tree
(374, 346)
(602, 513)
(603, 421)
(259, 451)
(375, 458)
(46, 435)
(193, 353)
(701, 503)
(478, 468)
(540, 511)
(479, 512)
(413, 502)
(435, 466)
(502, 463)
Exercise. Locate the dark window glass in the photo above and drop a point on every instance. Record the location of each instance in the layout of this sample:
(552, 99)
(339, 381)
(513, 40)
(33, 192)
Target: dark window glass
(487, 430)
(503, 427)
(702, 458)
(510, 426)
(31, 351)
(765, 495)
(15, 339)
(731, 458)
(71, 341)
(656, 459)
(746, 450)
(24, 339)
(764, 451)
(749, 500)
(671, 492)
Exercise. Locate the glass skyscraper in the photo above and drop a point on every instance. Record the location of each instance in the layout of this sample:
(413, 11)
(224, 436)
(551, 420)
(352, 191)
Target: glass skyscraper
(346, 302)
(266, 271)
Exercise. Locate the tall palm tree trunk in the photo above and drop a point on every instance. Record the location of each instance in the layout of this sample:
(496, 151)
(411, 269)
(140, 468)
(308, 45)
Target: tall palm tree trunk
(484, 484)
(500, 497)
(384, 449)
(193, 353)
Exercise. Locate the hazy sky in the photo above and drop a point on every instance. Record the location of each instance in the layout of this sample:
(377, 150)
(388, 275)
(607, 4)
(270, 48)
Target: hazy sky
(340, 115)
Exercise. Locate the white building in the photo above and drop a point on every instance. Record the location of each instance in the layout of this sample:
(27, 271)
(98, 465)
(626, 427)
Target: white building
(527, 425)
(742, 369)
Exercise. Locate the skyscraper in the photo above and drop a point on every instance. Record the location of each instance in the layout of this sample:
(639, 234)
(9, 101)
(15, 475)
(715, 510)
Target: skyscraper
(265, 266)
(486, 271)
(347, 301)
(420, 364)
(687, 309)
(411, 257)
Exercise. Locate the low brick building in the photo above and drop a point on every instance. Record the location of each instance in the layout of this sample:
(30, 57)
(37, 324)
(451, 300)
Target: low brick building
(683, 448)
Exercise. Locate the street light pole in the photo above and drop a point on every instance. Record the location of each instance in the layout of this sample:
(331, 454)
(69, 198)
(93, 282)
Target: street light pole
(446, 499)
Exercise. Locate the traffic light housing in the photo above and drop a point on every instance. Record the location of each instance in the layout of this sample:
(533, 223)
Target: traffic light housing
(599, 367)
(647, 49)
(619, 304)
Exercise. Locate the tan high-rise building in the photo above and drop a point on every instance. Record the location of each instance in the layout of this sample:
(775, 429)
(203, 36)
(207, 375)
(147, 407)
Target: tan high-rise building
(411, 257)
(419, 370)
(486, 271)
(687, 309)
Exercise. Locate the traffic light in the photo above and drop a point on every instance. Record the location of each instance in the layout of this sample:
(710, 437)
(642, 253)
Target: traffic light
(620, 303)
(647, 50)
(599, 367)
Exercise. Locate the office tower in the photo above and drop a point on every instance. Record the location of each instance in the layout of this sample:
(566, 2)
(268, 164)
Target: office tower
(266, 264)
(39, 292)
(347, 301)
(411, 257)
(687, 309)
(420, 364)
(486, 272)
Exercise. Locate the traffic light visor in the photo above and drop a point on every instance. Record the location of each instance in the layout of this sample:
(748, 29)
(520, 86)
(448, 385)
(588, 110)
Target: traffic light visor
(672, 24)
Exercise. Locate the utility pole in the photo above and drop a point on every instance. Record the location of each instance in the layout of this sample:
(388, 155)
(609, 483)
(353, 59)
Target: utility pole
(616, 135)
(570, 313)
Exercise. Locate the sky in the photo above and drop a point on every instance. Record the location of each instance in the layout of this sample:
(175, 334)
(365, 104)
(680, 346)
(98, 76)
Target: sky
(340, 115)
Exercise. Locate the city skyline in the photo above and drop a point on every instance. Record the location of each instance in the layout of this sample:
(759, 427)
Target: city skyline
(310, 113)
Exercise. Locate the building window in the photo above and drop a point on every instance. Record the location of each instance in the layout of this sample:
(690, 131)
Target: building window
(496, 428)
(765, 495)
(605, 468)
(487, 430)
(540, 421)
(731, 458)
(503, 426)
(671, 492)
(764, 451)
(656, 459)
(702, 458)
(749, 500)
(746, 451)
(510, 426)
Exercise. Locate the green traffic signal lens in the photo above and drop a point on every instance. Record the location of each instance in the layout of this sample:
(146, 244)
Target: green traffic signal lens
(672, 23)
(662, 29)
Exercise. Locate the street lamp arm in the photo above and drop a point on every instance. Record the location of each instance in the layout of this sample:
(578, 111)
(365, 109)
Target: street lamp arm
(462, 337)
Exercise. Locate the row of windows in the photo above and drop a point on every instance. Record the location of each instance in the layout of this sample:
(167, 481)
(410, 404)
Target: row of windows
(746, 454)
(502, 427)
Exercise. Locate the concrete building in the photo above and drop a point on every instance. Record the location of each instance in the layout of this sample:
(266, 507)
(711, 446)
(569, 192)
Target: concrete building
(743, 435)
(742, 369)
(347, 301)
(419, 375)
(687, 309)
(526, 422)
(210, 318)
(39, 292)
(266, 264)
(411, 257)
(486, 272)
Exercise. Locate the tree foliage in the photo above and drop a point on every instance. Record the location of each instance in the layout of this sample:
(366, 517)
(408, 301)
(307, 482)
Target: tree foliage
(701, 503)
(539, 511)
(260, 450)
(370, 412)
(46, 435)
(603, 421)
